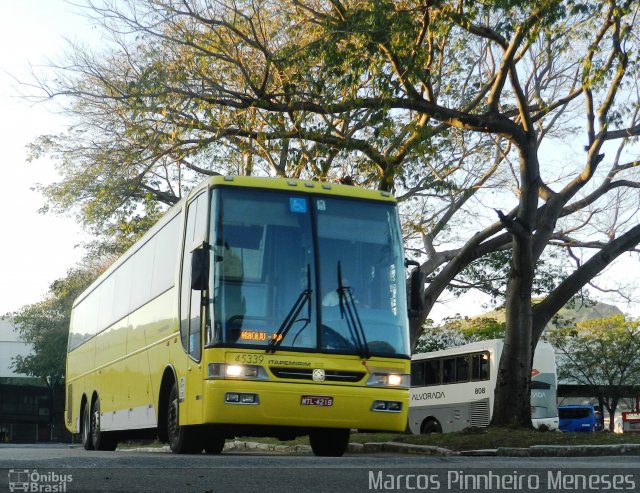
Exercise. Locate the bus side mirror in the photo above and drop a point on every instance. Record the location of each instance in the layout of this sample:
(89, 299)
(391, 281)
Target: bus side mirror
(200, 268)
(416, 289)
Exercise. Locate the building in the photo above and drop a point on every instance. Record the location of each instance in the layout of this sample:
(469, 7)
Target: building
(24, 401)
(10, 347)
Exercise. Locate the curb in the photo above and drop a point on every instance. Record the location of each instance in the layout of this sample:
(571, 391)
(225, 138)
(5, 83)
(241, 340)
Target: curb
(430, 450)
(558, 451)
(584, 451)
(238, 445)
(401, 448)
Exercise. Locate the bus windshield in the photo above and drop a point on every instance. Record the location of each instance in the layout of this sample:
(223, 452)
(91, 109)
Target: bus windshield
(305, 273)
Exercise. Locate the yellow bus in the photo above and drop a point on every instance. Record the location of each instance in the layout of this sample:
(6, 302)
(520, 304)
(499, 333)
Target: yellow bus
(254, 307)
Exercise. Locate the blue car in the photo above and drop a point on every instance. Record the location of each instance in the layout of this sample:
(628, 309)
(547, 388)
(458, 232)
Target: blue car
(578, 418)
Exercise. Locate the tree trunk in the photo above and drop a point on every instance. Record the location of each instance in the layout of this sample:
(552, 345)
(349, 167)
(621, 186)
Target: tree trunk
(601, 411)
(512, 404)
(612, 414)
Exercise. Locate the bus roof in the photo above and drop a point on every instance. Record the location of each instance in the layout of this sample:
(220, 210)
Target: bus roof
(487, 345)
(300, 186)
(491, 344)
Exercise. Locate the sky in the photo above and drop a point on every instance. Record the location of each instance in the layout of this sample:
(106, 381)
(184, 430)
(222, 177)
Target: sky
(37, 249)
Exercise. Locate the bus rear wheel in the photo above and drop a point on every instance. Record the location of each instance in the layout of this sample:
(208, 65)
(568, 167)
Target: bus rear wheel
(430, 426)
(329, 442)
(182, 439)
(101, 440)
(87, 443)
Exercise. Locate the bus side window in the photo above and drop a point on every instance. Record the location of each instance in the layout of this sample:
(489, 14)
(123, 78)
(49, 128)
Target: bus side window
(449, 370)
(433, 375)
(480, 366)
(462, 368)
(417, 373)
(484, 366)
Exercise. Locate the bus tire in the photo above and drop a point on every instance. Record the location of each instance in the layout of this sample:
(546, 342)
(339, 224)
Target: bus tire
(100, 440)
(182, 439)
(329, 442)
(430, 425)
(87, 443)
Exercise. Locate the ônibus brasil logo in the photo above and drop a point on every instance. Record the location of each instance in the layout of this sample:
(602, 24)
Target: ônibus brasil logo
(49, 482)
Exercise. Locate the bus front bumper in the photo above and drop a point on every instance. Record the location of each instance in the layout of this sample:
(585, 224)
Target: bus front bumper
(304, 405)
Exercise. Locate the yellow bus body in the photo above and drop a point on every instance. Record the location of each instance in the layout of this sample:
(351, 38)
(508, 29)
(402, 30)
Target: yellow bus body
(124, 364)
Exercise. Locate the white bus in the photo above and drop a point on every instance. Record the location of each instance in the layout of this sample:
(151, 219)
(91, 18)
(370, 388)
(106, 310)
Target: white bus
(454, 389)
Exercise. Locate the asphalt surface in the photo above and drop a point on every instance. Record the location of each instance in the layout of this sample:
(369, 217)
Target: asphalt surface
(262, 468)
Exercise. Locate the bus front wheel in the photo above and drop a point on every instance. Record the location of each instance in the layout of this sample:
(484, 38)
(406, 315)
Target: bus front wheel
(430, 426)
(329, 442)
(182, 439)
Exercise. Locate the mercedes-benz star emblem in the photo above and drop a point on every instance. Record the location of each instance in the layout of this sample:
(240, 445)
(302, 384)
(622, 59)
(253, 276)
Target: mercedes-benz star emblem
(318, 375)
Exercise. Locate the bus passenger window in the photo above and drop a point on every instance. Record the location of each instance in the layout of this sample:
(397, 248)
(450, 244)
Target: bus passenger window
(449, 370)
(462, 368)
(432, 372)
(480, 366)
(417, 374)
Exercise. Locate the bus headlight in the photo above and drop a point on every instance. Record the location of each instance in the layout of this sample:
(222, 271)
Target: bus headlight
(224, 370)
(398, 380)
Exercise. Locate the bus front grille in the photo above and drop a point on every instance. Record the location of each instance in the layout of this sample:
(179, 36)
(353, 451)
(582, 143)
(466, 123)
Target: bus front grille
(329, 376)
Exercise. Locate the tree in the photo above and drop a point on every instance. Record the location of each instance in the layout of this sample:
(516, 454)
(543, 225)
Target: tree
(457, 331)
(442, 102)
(604, 354)
(437, 338)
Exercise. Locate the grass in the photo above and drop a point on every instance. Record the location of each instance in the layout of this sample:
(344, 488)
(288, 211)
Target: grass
(488, 438)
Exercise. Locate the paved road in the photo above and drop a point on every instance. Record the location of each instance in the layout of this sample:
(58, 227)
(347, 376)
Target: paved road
(61, 468)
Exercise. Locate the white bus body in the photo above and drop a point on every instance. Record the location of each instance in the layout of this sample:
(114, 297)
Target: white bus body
(454, 389)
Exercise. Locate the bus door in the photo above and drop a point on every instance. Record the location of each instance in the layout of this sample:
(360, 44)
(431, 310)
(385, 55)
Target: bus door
(191, 376)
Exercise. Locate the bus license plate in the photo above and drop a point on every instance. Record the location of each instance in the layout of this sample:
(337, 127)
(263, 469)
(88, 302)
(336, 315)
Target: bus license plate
(316, 400)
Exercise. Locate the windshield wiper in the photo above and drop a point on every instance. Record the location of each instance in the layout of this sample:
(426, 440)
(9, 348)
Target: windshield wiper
(349, 312)
(303, 298)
